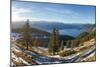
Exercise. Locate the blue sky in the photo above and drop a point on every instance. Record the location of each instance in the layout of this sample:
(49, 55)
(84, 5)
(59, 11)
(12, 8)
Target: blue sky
(33, 11)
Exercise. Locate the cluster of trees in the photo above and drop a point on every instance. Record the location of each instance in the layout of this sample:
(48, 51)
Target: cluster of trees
(54, 45)
(27, 41)
(83, 37)
(73, 43)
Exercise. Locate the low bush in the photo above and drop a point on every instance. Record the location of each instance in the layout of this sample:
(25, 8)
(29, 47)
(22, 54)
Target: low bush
(67, 53)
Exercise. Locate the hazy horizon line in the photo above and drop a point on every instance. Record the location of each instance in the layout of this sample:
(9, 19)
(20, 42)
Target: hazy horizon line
(49, 22)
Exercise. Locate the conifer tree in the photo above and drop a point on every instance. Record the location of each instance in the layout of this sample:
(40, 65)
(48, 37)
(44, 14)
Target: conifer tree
(26, 34)
(72, 44)
(68, 44)
(53, 45)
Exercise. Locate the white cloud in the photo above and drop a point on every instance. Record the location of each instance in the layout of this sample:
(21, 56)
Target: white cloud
(17, 14)
(62, 11)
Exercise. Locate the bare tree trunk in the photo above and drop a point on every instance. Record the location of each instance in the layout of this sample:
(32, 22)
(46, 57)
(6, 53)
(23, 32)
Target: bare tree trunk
(26, 45)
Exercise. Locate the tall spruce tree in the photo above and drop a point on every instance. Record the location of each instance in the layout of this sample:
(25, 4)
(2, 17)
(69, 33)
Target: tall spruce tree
(26, 34)
(53, 45)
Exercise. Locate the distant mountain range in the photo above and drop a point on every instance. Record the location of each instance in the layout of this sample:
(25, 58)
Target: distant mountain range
(42, 27)
(45, 25)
